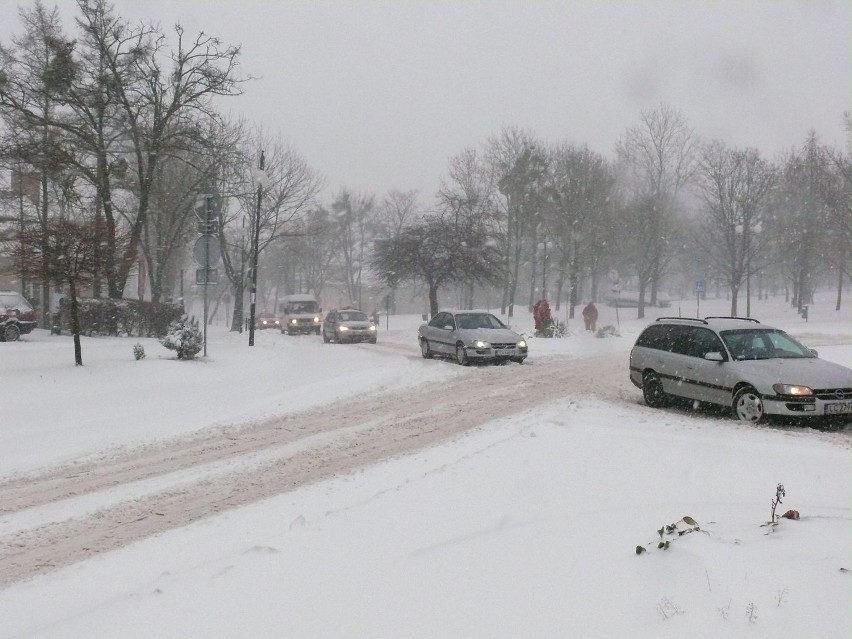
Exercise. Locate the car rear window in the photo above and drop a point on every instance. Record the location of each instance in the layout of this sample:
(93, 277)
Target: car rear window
(14, 300)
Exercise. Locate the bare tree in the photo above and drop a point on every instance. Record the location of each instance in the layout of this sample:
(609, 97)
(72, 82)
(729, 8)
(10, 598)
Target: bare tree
(802, 212)
(436, 252)
(290, 187)
(657, 159)
(734, 186)
(466, 201)
(353, 229)
(519, 166)
(580, 190)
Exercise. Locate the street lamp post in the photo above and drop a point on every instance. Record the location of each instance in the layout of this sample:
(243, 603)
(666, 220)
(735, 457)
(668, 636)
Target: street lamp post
(260, 177)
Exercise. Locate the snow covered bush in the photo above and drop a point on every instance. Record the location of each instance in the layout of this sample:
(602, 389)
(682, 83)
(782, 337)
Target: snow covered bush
(138, 351)
(608, 331)
(185, 337)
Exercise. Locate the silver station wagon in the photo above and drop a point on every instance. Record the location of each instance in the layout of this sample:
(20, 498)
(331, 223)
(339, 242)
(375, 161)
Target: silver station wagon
(470, 336)
(755, 369)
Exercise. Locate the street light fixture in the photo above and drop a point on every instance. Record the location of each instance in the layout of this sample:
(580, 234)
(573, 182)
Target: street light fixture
(260, 180)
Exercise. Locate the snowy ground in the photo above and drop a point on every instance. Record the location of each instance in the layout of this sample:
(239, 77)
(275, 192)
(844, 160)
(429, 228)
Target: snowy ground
(524, 526)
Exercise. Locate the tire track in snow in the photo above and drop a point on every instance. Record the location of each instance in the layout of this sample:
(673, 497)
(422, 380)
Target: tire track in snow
(393, 423)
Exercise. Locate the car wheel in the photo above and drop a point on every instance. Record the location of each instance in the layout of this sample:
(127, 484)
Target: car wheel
(652, 390)
(317, 331)
(11, 333)
(748, 405)
(520, 360)
(325, 338)
(372, 341)
(461, 355)
(425, 350)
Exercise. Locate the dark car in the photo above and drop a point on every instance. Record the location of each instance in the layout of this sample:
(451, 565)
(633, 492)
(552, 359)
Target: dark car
(17, 316)
(348, 325)
(471, 336)
(267, 320)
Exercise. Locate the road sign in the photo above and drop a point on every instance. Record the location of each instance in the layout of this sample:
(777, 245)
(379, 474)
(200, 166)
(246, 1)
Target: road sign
(206, 276)
(699, 286)
(207, 206)
(206, 250)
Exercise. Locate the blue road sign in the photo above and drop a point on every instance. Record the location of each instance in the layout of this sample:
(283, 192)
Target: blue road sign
(699, 286)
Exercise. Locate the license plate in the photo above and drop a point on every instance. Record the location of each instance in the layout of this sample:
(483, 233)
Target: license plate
(838, 408)
(505, 351)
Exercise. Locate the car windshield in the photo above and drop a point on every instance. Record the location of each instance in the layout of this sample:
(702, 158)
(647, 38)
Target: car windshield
(353, 316)
(300, 307)
(478, 320)
(763, 344)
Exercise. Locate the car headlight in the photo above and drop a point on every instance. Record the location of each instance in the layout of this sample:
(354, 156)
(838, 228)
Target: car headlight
(521, 343)
(792, 389)
(294, 321)
(481, 344)
(344, 328)
(277, 322)
(316, 320)
(372, 327)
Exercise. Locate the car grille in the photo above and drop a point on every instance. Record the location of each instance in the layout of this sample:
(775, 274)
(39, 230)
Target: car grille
(502, 346)
(832, 394)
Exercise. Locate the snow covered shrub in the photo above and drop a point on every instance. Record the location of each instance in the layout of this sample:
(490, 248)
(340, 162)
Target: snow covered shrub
(138, 351)
(608, 331)
(185, 337)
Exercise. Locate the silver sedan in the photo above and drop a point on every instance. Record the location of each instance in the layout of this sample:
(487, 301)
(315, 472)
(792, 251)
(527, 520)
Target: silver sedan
(471, 336)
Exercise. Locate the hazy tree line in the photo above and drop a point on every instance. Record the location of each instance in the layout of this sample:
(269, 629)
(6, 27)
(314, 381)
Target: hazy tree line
(111, 131)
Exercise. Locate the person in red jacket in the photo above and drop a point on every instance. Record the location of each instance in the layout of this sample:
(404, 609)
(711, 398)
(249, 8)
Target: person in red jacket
(541, 315)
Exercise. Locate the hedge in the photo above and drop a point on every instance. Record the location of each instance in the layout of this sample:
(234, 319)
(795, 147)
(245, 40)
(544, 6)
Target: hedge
(122, 317)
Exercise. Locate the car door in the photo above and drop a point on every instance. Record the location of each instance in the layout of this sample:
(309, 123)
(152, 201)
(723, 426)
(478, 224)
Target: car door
(674, 368)
(441, 331)
(708, 377)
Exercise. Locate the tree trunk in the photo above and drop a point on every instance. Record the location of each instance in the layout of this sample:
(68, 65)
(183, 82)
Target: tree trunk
(75, 321)
(237, 318)
(735, 294)
(433, 299)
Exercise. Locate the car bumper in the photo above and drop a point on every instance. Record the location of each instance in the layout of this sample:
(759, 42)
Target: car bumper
(356, 337)
(302, 328)
(489, 354)
(27, 327)
(807, 407)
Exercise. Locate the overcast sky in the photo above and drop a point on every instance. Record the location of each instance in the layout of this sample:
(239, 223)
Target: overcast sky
(379, 95)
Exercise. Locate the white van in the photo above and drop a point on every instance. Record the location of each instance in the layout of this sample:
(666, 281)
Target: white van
(299, 313)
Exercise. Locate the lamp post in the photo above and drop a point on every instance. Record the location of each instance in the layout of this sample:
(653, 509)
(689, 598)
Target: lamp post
(260, 178)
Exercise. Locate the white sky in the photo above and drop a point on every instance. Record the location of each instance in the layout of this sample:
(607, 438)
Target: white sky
(379, 95)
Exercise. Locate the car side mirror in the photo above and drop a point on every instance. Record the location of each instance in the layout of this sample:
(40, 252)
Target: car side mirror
(814, 352)
(714, 356)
